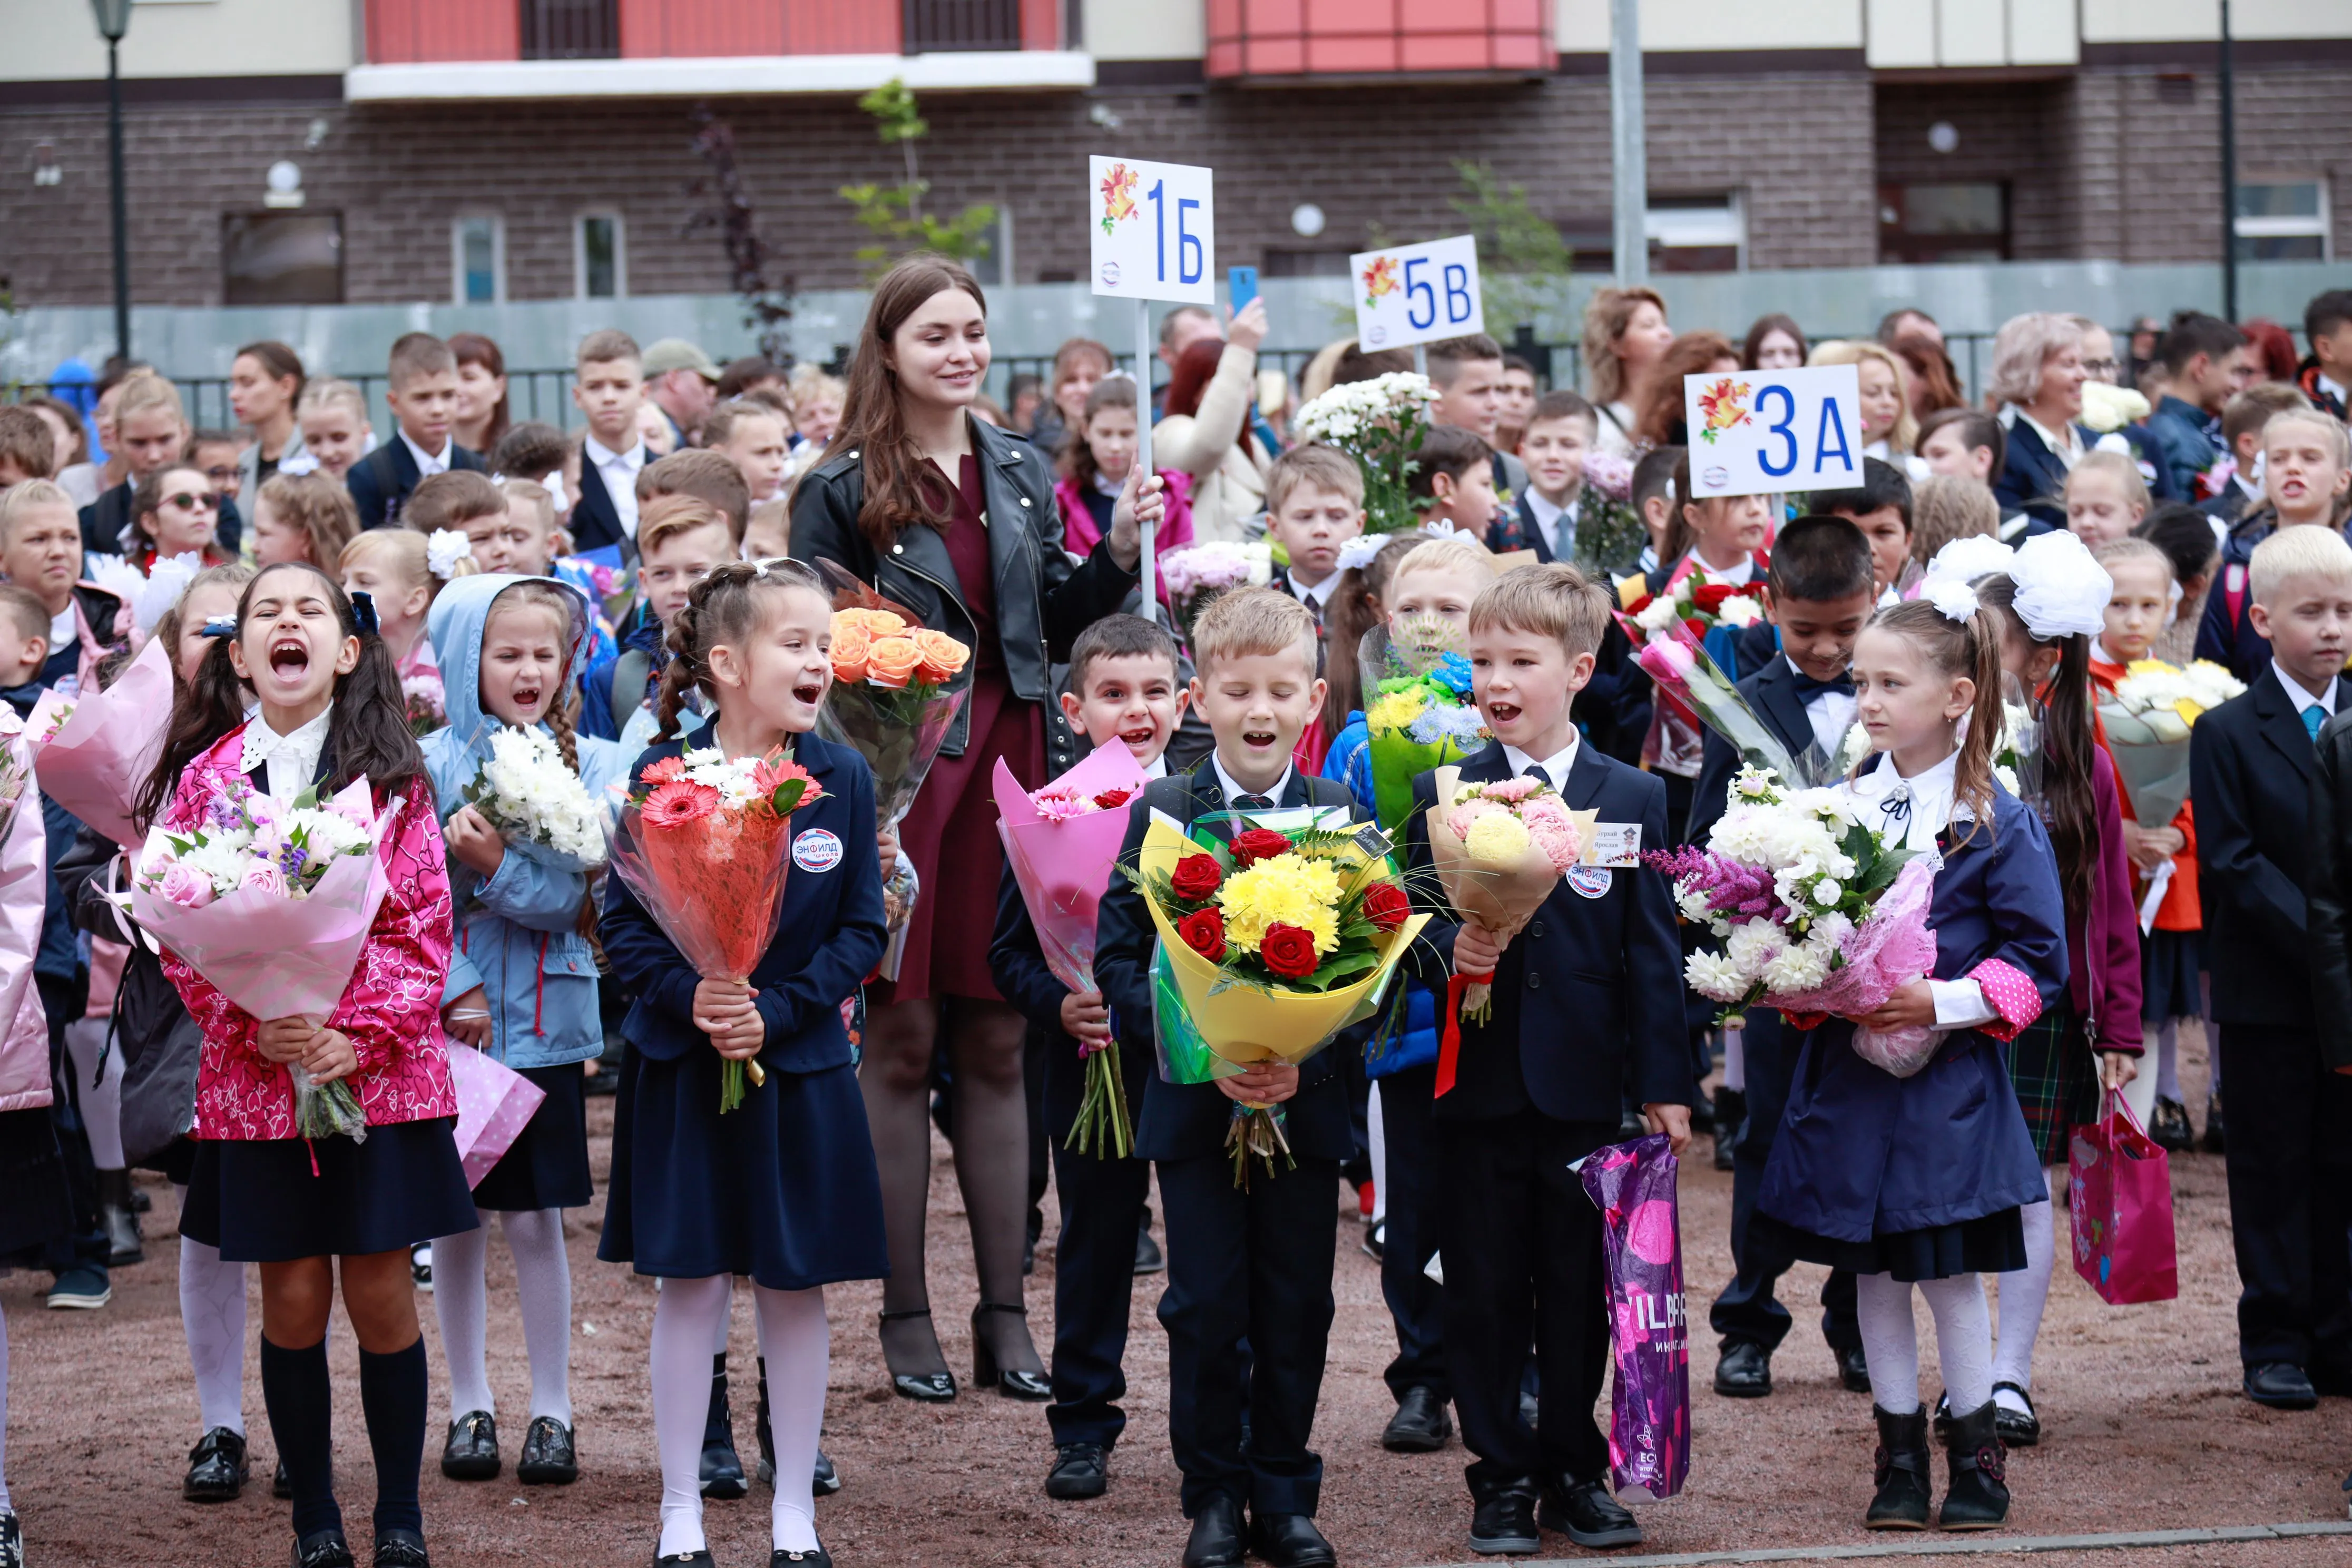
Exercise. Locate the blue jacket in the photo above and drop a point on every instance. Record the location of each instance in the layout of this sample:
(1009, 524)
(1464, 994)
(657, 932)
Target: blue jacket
(1861, 1152)
(518, 933)
(2183, 436)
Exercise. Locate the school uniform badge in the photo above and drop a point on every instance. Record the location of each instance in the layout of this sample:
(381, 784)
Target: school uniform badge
(816, 850)
(1591, 881)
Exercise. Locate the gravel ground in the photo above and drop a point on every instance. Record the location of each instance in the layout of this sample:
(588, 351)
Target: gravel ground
(2145, 1430)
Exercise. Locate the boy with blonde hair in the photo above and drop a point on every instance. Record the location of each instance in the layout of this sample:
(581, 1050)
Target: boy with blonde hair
(333, 418)
(1314, 504)
(150, 432)
(2307, 481)
(609, 387)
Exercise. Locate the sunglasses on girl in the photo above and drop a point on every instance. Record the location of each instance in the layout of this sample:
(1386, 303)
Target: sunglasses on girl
(189, 501)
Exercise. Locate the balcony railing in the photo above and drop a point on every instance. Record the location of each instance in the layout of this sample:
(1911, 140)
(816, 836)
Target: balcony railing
(417, 32)
(1378, 38)
(943, 24)
(571, 29)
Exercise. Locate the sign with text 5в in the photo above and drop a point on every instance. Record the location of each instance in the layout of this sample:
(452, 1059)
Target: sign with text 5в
(1417, 293)
(1154, 231)
(1766, 432)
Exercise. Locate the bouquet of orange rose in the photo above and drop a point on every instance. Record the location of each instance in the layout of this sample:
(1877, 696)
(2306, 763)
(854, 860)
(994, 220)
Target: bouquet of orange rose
(889, 699)
(703, 843)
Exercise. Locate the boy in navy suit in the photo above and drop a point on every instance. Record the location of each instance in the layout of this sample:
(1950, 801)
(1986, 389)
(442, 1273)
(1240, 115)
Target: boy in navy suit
(1587, 1002)
(1123, 688)
(1817, 595)
(1314, 504)
(1248, 1305)
(423, 396)
(1553, 446)
(608, 387)
(2289, 1153)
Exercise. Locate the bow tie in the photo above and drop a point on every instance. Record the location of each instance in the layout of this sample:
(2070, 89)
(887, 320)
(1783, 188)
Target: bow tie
(1808, 688)
(1253, 803)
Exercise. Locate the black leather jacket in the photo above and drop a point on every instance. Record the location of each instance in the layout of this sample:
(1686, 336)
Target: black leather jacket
(1043, 600)
(2329, 910)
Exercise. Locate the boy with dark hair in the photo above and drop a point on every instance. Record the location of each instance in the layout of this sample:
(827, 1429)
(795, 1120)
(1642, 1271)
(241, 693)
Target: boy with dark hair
(1587, 1007)
(1969, 443)
(1468, 375)
(1452, 481)
(2325, 374)
(422, 393)
(1881, 507)
(1518, 403)
(1818, 592)
(1556, 433)
(1247, 1266)
(608, 385)
(1314, 504)
(2204, 360)
(1123, 688)
(2242, 418)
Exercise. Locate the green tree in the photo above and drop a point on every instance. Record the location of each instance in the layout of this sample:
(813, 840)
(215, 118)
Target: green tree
(895, 213)
(1523, 263)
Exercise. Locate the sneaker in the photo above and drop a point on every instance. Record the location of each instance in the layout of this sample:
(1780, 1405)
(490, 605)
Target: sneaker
(1376, 1241)
(12, 1540)
(85, 1286)
(420, 1265)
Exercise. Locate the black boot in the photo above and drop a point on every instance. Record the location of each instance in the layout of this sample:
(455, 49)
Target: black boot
(122, 1221)
(1978, 1497)
(723, 1472)
(1730, 1111)
(1902, 1473)
(765, 1433)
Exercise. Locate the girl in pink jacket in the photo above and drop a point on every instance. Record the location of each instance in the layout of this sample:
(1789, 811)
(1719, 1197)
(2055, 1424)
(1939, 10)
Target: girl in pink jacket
(331, 712)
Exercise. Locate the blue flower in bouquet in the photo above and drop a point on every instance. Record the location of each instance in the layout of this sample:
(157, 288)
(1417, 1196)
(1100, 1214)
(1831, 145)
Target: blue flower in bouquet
(1452, 672)
(1464, 726)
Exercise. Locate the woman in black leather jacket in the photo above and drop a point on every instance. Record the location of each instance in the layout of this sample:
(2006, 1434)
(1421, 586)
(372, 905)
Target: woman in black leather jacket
(955, 520)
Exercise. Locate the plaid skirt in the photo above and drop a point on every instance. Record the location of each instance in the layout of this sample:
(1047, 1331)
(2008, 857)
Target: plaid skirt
(2057, 1079)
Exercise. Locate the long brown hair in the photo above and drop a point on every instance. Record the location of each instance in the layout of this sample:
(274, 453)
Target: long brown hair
(473, 348)
(1956, 648)
(1078, 459)
(2070, 805)
(872, 422)
(1659, 419)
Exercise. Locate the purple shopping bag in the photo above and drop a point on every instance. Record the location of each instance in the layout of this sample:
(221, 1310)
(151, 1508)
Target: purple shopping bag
(2119, 1188)
(1633, 1184)
(494, 1104)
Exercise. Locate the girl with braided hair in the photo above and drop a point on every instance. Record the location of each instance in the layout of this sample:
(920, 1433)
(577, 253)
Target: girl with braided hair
(783, 1188)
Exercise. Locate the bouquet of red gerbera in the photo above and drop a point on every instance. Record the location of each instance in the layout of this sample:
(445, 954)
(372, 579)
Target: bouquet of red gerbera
(702, 842)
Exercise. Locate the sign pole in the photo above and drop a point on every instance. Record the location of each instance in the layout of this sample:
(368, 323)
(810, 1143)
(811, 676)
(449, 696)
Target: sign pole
(1149, 563)
(1421, 360)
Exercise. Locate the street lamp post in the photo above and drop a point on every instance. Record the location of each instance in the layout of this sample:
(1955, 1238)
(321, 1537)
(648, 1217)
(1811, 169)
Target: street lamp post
(113, 22)
(2228, 175)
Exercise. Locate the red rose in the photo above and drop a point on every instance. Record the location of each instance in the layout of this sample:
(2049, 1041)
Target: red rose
(1638, 605)
(1258, 844)
(1112, 799)
(1386, 905)
(1709, 596)
(1195, 877)
(1203, 931)
(1288, 951)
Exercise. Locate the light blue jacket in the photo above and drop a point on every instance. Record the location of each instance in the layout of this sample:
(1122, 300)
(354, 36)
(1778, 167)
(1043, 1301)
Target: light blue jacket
(517, 932)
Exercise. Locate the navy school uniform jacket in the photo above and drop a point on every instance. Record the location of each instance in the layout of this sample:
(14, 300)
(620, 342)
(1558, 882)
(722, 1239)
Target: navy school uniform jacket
(1861, 1152)
(1016, 962)
(2250, 767)
(379, 482)
(1587, 997)
(596, 520)
(1183, 1121)
(1772, 692)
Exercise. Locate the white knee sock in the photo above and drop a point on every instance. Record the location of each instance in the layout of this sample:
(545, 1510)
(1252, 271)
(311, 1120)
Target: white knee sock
(795, 1339)
(212, 1316)
(1964, 1337)
(543, 1281)
(461, 1301)
(1376, 1134)
(101, 1102)
(2023, 1295)
(688, 1316)
(2168, 1059)
(1735, 1060)
(1890, 1341)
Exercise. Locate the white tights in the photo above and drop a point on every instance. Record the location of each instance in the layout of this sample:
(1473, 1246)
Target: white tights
(543, 1283)
(1890, 1340)
(211, 1315)
(794, 1336)
(2023, 1295)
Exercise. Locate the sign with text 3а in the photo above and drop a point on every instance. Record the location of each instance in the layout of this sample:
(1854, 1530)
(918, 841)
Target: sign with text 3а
(1417, 293)
(1766, 432)
(1153, 229)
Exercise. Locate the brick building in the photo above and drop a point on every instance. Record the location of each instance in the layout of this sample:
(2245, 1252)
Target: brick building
(487, 150)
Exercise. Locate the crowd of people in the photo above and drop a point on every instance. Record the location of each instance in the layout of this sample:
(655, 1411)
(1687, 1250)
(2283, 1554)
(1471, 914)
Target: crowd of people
(336, 603)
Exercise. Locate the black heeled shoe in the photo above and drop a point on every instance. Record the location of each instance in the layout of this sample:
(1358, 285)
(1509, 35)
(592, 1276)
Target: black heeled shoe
(1011, 1382)
(927, 1387)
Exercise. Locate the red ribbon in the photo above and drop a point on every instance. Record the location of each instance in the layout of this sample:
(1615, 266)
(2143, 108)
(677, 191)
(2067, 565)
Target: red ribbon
(1449, 1042)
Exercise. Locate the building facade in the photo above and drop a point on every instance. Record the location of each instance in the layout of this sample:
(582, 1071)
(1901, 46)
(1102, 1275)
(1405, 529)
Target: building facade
(314, 152)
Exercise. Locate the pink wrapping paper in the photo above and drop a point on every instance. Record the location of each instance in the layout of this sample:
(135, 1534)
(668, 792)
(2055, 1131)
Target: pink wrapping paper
(93, 766)
(277, 957)
(1887, 951)
(494, 1104)
(1064, 865)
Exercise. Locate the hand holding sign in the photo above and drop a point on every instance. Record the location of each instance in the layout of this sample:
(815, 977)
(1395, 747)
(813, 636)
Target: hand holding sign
(1763, 432)
(1417, 293)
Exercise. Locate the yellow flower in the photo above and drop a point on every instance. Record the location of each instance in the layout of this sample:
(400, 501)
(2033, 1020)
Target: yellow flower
(1289, 891)
(1497, 838)
(1395, 710)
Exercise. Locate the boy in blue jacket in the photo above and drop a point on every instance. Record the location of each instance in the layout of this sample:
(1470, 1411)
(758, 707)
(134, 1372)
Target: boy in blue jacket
(1122, 688)
(1587, 1002)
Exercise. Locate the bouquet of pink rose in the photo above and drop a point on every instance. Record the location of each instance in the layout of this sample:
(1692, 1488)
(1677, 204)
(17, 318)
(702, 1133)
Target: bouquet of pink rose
(91, 750)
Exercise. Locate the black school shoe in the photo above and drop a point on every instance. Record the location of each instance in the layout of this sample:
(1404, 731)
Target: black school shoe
(1290, 1541)
(2169, 1129)
(1081, 1470)
(217, 1470)
(328, 1549)
(1421, 1424)
(400, 1549)
(721, 1473)
(815, 1557)
(1587, 1514)
(1216, 1537)
(1504, 1523)
(827, 1480)
(471, 1453)
(550, 1457)
(2216, 1139)
(1854, 1369)
(1744, 1372)
(2282, 1386)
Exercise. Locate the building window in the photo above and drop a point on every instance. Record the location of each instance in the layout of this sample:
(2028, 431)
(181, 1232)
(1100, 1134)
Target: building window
(1929, 224)
(282, 258)
(1696, 233)
(600, 257)
(2283, 220)
(961, 24)
(571, 29)
(477, 261)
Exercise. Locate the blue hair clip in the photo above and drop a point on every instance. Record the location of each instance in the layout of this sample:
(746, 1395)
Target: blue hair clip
(363, 613)
(219, 626)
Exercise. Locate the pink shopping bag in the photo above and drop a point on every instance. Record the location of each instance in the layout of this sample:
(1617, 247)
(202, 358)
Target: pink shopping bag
(494, 1104)
(2119, 1186)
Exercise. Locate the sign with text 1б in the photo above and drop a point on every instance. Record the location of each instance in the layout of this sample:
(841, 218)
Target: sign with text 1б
(1153, 230)
(1417, 293)
(1766, 432)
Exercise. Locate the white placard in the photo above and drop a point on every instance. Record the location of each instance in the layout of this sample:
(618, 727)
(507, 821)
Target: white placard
(1153, 230)
(1765, 432)
(1417, 293)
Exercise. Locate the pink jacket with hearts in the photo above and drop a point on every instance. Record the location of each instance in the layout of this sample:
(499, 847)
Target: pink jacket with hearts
(391, 1011)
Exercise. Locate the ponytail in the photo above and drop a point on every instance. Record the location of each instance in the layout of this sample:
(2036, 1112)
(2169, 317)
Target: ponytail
(2069, 746)
(1972, 778)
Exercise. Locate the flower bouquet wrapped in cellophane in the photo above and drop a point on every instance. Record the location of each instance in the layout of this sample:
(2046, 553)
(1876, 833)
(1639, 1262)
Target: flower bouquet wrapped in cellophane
(1418, 714)
(2147, 720)
(1380, 423)
(91, 750)
(1195, 575)
(1683, 636)
(1269, 945)
(524, 790)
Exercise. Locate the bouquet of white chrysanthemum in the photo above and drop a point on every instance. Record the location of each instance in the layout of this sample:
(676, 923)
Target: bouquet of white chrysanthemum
(534, 800)
(2147, 723)
(1380, 423)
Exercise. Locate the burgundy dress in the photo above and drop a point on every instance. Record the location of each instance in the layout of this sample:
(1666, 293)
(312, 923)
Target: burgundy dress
(951, 831)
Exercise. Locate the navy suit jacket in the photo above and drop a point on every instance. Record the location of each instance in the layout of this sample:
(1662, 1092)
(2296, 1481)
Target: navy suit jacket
(1183, 1121)
(595, 521)
(1771, 691)
(2250, 767)
(1589, 997)
(379, 482)
(2031, 480)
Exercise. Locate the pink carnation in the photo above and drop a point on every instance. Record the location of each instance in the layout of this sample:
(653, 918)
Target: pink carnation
(1468, 812)
(1510, 790)
(1558, 838)
(1059, 803)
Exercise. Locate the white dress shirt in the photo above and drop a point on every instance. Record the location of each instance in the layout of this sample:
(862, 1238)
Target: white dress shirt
(2302, 698)
(1317, 597)
(1732, 575)
(1556, 766)
(1157, 768)
(1558, 522)
(619, 472)
(428, 463)
(1234, 791)
(1831, 713)
(1928, 794)
(2328, 385)
(293, 760)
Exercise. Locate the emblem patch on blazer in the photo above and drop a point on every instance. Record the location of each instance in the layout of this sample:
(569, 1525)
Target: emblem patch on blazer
(1591, 881)
(816, 850)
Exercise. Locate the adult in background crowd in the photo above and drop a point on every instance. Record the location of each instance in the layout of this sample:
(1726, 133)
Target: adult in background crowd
(1889, 430)
(1206, 431)
(1934, 384)
(742, 377)
(682, 382)
(1658, 419)
(2037, 385)
(1078, 363)
(1774, 343)
(265, 382)
(882, 505)
(1180, 329)
(1625, 335)
(481, 419)
(1911, 321)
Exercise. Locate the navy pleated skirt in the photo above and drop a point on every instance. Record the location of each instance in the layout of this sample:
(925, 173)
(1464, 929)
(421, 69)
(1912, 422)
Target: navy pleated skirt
(259, 1201)
(546, 1166)
(1993, 1244)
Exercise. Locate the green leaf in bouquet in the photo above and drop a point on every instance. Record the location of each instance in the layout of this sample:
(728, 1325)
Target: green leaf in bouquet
(787, 796)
